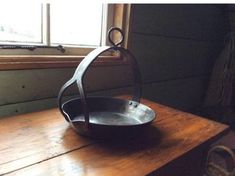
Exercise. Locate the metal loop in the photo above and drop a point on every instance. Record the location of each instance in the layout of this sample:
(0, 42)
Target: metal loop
(110, 34)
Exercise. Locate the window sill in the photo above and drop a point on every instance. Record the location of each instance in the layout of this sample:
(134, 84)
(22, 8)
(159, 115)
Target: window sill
(13, 62)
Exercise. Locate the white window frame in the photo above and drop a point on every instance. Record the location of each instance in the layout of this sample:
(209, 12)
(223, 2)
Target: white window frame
(107, 22)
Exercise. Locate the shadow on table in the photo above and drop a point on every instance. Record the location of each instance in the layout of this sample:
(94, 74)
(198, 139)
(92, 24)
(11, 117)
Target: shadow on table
(131, 143)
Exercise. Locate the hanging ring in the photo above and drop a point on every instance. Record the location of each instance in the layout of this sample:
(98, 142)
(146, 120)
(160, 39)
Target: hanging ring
(110, 33)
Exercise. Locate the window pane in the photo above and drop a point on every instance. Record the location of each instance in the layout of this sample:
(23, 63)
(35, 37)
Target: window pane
(20, 23)
(76, 23)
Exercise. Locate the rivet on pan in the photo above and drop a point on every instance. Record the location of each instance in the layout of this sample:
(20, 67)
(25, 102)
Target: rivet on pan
(130, 103)
(135, 105)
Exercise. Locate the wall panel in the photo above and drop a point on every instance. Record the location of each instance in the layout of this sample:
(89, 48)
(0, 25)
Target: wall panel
(184, 94)
(176, 46)
(47, 103)
(27, 85)
(164, 58)
(196, 22)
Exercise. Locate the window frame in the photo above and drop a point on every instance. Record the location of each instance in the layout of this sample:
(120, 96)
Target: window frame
(51, 58)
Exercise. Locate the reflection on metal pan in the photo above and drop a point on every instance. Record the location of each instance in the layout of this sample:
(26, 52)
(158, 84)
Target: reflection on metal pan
(105, 116)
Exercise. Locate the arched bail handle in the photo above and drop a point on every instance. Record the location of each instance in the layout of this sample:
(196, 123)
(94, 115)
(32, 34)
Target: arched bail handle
(83, 67)
(110, 36)
(60, 97)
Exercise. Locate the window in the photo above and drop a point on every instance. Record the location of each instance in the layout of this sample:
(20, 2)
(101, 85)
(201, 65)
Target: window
(22, 26)
(45, 24)
(73, 24)
(41, 28)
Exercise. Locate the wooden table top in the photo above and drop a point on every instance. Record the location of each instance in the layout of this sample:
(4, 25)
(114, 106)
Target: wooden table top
(43, 143)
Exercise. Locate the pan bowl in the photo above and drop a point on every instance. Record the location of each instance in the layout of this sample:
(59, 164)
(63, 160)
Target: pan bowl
(108, 116)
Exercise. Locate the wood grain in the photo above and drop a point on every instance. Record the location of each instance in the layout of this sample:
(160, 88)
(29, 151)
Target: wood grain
(22, 62)
(36, 137)
(44, 145)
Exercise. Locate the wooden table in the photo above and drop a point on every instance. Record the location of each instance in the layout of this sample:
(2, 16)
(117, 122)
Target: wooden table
(42, 143)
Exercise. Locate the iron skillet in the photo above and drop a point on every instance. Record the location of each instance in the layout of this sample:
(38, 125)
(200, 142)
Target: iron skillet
(103, 117)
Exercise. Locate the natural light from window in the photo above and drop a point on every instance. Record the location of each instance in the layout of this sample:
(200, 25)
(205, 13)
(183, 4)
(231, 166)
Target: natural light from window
(76, 23)
(72, 23)
(20, 24)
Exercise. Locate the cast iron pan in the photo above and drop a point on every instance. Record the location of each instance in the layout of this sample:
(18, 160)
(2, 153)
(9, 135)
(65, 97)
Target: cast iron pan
(103, 117)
